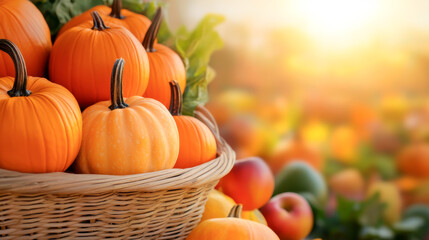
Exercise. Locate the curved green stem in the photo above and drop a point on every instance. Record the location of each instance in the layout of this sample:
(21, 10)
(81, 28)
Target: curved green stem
(98, 22)
(176, 101)
(116, 9)
(19, 88)
(236, 211)
(152, 32)
(116, 85)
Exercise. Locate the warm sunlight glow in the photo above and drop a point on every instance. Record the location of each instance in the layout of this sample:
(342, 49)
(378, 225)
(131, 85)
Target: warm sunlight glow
(338, 21)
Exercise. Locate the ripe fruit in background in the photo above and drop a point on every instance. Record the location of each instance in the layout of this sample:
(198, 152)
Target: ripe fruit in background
(40, 121)
(389, 194)
(231, 227)
(362, 117)
(197, 142)
(315, 133)
(301, 178)
(289, 216)
(127, 136)
(218, 205)
(384, 140)
(255, 216)
(136, 23)
(413, 160)
(295, 150)
(245, 135)
(165, 65)
(250, 183)
(83, 57)
(348, 183)
(23, 24)
(344, 144)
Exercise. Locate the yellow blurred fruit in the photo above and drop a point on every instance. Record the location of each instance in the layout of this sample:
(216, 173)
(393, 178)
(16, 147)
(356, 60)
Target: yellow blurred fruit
(315, 133)
(390, 195)
(255, 216)
(218, 205)
(348, 183)
(343, 144)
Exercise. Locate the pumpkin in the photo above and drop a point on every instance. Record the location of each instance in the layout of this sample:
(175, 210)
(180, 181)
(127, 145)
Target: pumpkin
(232, 227)
(136, 23)
(127, 136)
(165, 65)
(22, 23)
(40, 121)
(83, 57)
(197, 142)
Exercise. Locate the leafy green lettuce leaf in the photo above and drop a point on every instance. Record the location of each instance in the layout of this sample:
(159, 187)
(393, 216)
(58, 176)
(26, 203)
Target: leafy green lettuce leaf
(196, 48)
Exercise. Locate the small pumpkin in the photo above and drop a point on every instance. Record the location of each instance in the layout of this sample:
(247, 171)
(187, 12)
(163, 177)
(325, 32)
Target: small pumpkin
(23, 24)
(197, 142)
(165, 65)
(127, 136)
(40, 121)
(82, 59)
(136, 23)
(232, 227)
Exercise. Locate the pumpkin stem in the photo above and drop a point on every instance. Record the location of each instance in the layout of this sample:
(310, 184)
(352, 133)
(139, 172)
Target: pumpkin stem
(152, 32)
(236, 211)
(19, 88)
(116, 85)
(98, 22)
(176, 99)
(116, 9)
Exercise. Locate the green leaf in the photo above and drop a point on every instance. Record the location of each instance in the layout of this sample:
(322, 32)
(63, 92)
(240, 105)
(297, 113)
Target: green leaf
(196, 48)
(409, 225)
(379, 233)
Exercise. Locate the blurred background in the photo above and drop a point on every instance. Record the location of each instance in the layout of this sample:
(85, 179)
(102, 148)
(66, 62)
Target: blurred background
(340, 84)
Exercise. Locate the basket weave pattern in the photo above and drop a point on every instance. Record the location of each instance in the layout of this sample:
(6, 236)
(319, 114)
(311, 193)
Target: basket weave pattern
(166, 204)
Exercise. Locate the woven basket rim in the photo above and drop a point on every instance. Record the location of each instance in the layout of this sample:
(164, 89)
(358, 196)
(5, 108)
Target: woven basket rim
(169, 179)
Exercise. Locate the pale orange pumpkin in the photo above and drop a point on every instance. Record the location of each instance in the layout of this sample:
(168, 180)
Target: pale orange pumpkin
(127, 136)
(23, 24)
(232, 227)
(197, 142)
(40, 121)
(136, 23)
(165, 65)
(82, 58)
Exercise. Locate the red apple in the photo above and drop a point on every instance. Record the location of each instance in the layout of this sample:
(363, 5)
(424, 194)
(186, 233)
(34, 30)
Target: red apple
(250, 183)
(289, 216)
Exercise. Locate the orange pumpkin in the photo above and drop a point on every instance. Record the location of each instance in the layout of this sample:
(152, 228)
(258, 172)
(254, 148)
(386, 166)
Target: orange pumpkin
(232, 227)
(197, 142)
(127, 136)
(22, 23)
(136, 23)
(40, 121)
(165, 65)
(83, 57)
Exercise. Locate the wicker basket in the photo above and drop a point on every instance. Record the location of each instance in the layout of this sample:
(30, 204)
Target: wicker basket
(159, 205)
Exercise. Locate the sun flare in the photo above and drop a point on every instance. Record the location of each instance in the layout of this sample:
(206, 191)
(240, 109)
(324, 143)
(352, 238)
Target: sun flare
(338, 21)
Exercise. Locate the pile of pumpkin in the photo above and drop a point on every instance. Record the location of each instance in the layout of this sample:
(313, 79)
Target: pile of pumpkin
(42, 128)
